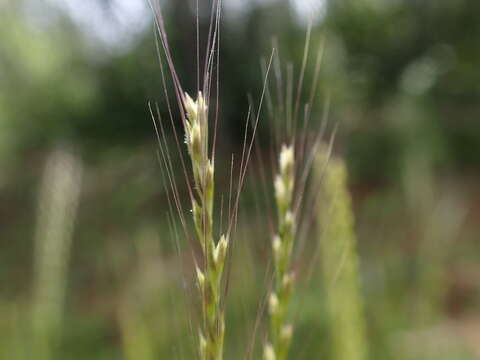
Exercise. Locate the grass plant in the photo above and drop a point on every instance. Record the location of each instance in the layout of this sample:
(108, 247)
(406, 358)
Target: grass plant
(339, 261)
(194, 112)
(59, 196)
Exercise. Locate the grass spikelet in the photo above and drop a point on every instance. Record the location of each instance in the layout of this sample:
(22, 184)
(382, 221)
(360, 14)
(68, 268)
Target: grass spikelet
(340, 261)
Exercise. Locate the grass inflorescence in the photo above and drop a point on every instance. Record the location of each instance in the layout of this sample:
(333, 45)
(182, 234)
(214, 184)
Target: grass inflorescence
(209, 278)
(282, 245)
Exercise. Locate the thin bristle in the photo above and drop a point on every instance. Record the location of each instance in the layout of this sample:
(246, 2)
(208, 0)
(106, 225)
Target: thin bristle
(302, 75)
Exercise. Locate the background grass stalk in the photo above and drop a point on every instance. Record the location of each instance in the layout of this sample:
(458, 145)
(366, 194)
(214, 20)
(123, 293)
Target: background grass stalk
(209, 277)
(282, 245)
(340, 261)
(57, 211)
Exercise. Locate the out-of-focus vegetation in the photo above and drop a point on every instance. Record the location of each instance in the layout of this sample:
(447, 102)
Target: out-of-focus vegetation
(404, 86)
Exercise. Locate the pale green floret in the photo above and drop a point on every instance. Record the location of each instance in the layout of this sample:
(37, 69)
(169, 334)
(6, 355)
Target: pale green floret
(190, 107)
(281, 194)
(287, 283)
(277, 248)
(269, 353)
(273, 304)
(220, 251)
(286, 160)
(289, 220)
(195, 141)
(286, 335)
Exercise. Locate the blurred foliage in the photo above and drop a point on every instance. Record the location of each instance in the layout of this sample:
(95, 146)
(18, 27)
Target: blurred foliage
(404, 86)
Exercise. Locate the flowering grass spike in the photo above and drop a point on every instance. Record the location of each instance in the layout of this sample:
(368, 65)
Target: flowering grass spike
(209, 276)
(282, 244)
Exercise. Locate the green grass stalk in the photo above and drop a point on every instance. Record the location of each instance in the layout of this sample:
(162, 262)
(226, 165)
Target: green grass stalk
(58, 202)
(340, 261)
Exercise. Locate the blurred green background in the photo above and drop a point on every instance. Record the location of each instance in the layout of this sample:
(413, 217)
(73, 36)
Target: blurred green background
(75, 81)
